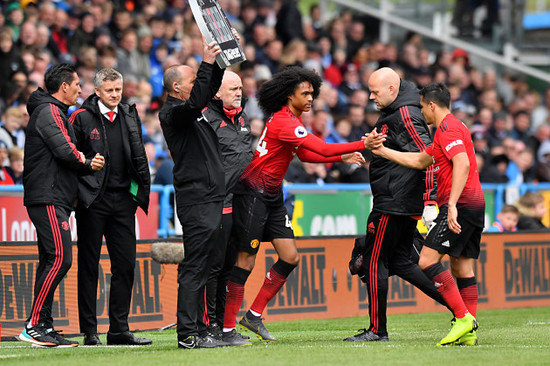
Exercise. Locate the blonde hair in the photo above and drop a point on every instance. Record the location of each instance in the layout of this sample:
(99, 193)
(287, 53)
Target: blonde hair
(528, 201)
(16, 153)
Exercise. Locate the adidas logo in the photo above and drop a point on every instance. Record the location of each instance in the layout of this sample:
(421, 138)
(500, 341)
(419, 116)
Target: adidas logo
(223, 124)
(371, 228)
(446, 244)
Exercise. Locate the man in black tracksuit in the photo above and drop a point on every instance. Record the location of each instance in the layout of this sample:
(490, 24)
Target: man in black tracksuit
(50, 180)
(107, 205)
(198, 183)
(400, 195)
(226, 116)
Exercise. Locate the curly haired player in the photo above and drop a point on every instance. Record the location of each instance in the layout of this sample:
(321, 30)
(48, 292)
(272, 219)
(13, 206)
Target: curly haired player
(258, 210)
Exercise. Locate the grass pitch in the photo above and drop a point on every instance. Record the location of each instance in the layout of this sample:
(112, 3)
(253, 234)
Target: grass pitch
(506, 337)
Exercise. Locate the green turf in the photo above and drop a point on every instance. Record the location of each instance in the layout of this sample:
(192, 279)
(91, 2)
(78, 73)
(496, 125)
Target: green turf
(506, 337)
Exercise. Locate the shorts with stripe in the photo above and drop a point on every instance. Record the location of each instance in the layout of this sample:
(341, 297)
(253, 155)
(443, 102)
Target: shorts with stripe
(441, 238)
(255, 220)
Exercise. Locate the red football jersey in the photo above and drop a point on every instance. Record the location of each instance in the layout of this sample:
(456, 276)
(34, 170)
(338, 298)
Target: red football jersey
(453, 137)
(283, 134)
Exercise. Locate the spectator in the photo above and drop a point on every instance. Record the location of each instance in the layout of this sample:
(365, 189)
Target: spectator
(507, 220)
(4, 154)
(532, 208)
(289, 22)
(541, 114)
(10, 58)
(12, 120)
(542, 166)
(15, 169)
(83, 35)
(521, 126)
(127, 54)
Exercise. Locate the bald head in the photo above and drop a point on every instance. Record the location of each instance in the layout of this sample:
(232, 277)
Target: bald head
(179, 80)
(384, 87)
(231, 90)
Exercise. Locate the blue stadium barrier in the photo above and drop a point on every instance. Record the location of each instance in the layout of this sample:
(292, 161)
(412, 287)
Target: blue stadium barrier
(166, 211)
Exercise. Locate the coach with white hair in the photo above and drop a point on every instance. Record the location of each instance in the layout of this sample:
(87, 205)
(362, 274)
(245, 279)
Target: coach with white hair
(107, 204)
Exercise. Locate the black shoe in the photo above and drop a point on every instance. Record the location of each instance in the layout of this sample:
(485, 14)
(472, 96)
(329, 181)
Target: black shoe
(210, 342)
(366, 336)
(37, 335)
(214, 331)
(92, 339)
(189, 342)
(255, 324)
(127, 338)
(233, 338)
(63, 342)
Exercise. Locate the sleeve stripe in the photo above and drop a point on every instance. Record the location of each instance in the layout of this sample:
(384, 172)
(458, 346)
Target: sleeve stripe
(421, 146)
(59, 121)
(409, 126)
(73, 115)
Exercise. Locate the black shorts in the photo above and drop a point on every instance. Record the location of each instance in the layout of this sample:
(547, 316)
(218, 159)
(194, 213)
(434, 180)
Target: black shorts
(255, 221)
(442, 239)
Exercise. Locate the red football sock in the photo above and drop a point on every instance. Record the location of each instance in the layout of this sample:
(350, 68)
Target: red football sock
(469, 292)
(446, 286)
(233, 300)
(272, 284)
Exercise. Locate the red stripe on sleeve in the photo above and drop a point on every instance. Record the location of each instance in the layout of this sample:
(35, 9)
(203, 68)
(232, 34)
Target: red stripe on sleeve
(74, 114)
(59, 121)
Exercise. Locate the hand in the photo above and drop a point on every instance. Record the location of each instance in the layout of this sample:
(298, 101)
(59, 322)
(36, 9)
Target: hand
(373, 140)
(452, 219)
(236, 34)
(210, 51)
(428, 215)
(98, 162)
(354, 158)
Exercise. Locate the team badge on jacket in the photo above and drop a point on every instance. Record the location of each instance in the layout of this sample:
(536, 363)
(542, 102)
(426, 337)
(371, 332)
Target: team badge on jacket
(254, 243)
(65, 225)
(94, 135)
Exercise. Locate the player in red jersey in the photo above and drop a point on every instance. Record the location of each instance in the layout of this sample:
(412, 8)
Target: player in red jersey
(258, 210)
(457, 229)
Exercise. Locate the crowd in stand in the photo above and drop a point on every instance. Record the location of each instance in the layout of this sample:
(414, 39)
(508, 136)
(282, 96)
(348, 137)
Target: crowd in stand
(509, 121)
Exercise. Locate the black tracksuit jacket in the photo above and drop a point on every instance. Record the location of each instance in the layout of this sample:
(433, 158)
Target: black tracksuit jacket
(91, 139)
(193, 143)
(235, 143)
(398, 190)
(52, 161)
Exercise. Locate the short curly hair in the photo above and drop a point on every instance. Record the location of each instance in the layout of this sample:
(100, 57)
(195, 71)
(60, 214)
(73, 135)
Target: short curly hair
(273, 94)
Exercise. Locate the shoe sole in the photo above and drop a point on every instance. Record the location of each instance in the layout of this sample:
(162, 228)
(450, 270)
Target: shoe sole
(36, 343)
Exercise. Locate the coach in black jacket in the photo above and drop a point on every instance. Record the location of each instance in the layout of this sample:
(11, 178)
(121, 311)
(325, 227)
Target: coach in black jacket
(52, 163)
(226, 116)
(400, 197)
(107, 205)
(198, 183)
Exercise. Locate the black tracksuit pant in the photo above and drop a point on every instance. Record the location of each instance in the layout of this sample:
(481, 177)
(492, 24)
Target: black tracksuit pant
(224, 258)
(54, 258)
(389, 243)
(200, 224)
(113, 216)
